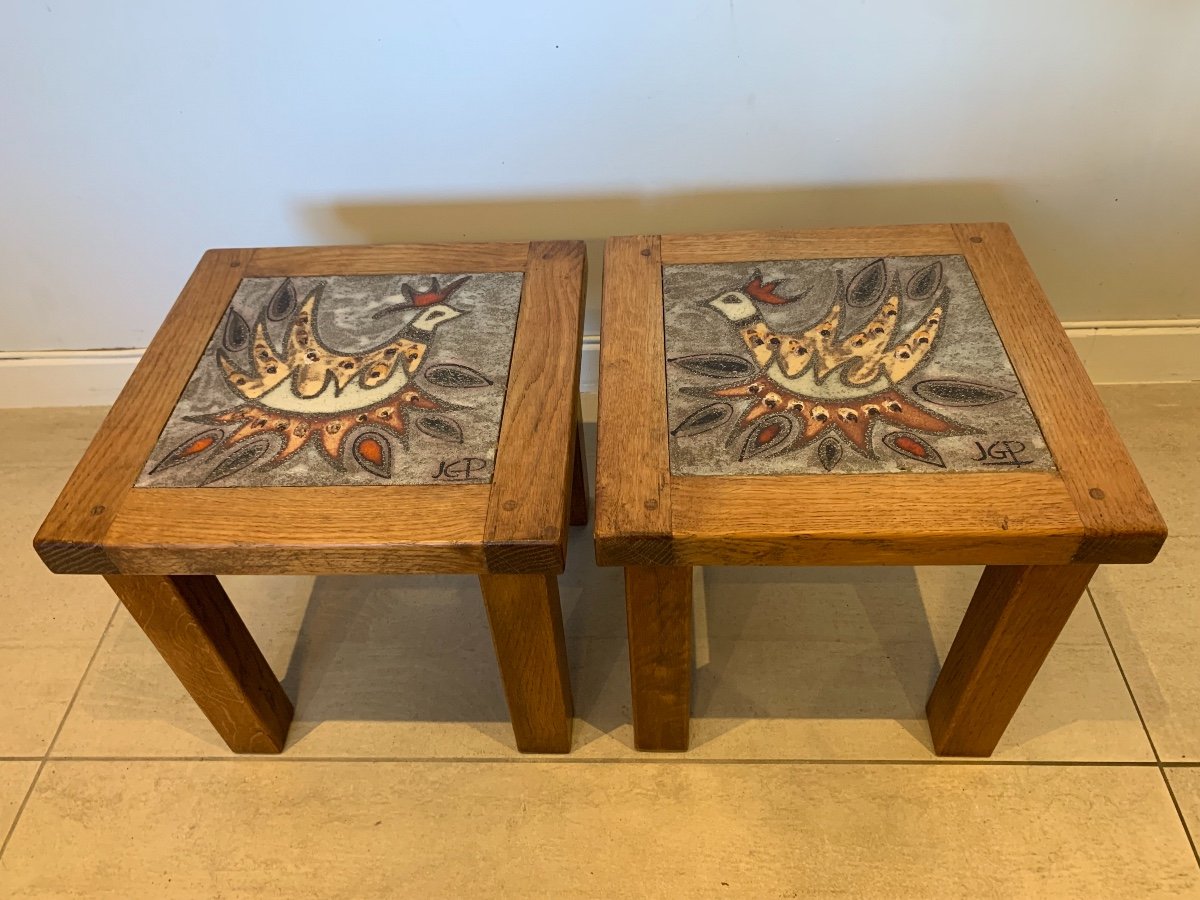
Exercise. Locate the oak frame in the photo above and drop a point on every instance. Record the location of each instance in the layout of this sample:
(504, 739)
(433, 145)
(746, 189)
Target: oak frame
(1095, 508)
(1040, 534)
(160, 548)
(102, 524)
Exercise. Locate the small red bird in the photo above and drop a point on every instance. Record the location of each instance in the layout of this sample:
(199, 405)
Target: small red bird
(435, 294)
(766, 292)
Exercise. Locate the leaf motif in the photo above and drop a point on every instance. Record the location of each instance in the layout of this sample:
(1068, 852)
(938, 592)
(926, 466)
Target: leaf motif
(282, 302)
(829, 451)
(715, 365)
(769, 432)
(704, 419)
(952, 392)
(237, 332)
(372, 451)
(867, 286)
(192, 448)
(442, 428)
(925, 282)
(238, 460)
(453, 375)
(907, 444)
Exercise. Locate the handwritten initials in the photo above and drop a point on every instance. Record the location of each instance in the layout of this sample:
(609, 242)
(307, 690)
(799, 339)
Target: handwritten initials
(461, 469)
(1001, 453)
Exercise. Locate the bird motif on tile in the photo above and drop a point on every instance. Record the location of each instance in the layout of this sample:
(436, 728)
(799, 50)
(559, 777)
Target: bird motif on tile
(820, 381)
(306, 392)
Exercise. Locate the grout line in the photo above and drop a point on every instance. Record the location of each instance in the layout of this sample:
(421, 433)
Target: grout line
(1121, 669)
(1157, 759)
(46, 756)
(549, 759)
(1179, 812)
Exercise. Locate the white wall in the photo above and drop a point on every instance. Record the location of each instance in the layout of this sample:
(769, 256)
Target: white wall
(136, 134)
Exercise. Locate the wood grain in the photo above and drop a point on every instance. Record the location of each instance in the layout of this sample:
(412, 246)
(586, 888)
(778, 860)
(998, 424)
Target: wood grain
(829, 243)
(854, 520)
(579, 488)
(633, 496)
(1014, 618)
(301, 530)
(658, 607)
(387, 259)
(526, 621)
(531, 484)
(1120, 521)
(204, 641)
(101, 523)
(71, 538)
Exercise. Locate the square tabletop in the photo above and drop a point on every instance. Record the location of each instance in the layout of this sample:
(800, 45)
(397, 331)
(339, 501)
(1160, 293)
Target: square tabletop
(851, 396)
(397, 408)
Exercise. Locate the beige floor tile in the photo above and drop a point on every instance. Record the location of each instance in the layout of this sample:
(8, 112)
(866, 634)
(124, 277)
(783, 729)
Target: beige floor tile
(799, 664)
(15, 778)
(1153, 617)
(827, 700)
(1160, 424)
(1185, 783)
(838, 664)
(377, 667)
(47, 438)
(49, 624)
(252, 828)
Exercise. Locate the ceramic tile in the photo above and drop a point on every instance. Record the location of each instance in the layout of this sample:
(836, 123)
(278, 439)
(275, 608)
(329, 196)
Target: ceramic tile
(15, 778)
(248, 828)
(49, 625)
(1160, 424)
(376, 667)
(799, 664)
(346, 380)
(47, 439)
(840, 365)
(812, 701)
(838, 663)
(1185, 784)
(1152, 614)
(131, 704)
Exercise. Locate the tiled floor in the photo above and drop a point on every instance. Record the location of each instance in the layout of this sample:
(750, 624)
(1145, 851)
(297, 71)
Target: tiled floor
(811, 771)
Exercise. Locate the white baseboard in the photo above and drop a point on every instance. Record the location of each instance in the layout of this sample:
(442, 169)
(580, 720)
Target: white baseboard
(64, 377)
(1113, 352)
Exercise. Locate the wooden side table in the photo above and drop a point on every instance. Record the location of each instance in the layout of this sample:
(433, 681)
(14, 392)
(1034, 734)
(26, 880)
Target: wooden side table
(339, 410)
(874, 396)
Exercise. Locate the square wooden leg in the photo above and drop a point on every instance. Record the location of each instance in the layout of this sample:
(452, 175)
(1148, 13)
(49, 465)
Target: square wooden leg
(527, 630)
(202, 638)
(1013, 620)
(658, 604)
(579, 497)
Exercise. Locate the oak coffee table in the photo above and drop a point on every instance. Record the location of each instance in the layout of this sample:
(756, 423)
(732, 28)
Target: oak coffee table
(873, 396)
(340, 410)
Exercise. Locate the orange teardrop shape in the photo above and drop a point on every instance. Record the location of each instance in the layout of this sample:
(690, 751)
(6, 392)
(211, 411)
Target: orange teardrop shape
(196, 446)
(908, 445)
(371, 450)
(767, 435)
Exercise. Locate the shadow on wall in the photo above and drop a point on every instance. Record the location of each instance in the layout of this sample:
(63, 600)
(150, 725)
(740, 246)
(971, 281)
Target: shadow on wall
(595, 218)
(1089, 274)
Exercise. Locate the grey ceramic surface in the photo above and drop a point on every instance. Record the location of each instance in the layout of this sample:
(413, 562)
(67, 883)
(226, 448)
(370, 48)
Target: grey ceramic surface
(436, 424)
(961, 408)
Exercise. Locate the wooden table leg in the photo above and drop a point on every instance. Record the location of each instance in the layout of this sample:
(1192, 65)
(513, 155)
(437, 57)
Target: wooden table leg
(527, 630)
(579, 497)
(202, 638)
(1013, 620)
(658, 605)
